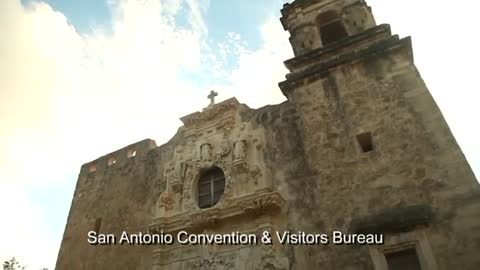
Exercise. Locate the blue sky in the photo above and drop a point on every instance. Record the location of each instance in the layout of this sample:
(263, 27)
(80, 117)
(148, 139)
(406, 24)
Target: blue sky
(222, 17)
(84, 15)
(80, 79)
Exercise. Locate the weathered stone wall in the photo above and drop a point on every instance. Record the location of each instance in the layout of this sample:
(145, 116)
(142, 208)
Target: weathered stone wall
(122, 196)
(319, 168)
(415, 162)
(302, 168)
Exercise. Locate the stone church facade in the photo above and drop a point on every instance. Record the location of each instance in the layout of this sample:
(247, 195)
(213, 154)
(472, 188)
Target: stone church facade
(359, 147)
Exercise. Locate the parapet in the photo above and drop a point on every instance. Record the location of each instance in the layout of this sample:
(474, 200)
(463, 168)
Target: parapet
(123, 155)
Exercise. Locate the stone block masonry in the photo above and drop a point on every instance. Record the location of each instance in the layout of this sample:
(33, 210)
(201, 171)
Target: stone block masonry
(357, 170)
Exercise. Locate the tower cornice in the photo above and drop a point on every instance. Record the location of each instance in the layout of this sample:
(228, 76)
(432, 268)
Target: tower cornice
(321, 69)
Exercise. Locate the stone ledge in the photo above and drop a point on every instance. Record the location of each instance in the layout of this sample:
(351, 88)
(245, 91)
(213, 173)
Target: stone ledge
(322, 70)
(399, 219)
(382, 31)
(260, 203)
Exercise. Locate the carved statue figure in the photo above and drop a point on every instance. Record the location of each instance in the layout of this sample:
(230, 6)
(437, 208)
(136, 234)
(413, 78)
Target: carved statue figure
(180, 170)
(240, 150)
(206, 152)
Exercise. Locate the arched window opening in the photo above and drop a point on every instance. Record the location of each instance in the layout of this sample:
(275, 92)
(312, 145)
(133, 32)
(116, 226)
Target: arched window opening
(211, 186)
(331, 27)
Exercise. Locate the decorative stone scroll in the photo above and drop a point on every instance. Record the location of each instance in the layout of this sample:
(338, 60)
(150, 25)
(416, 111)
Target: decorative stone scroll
(262, 204)
(214, 263)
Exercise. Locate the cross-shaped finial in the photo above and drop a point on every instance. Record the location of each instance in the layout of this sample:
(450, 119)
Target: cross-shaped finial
(212, 96)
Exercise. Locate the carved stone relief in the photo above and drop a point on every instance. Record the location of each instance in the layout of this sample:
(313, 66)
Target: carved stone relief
(240, 157)
(271, 260)
(206, 152)
(214, 263)
(223, 151)
(240, 151)
(180, 170)
(165, 201)
(214, 139)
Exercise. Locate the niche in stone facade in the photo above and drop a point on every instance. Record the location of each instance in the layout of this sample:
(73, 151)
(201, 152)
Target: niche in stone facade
(131, 153)
(365, 141)
(111, 161)
(92, 168)
(403, 259)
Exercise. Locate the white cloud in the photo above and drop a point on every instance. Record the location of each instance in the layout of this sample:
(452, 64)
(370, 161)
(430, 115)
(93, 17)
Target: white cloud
(255, 80)
(23, 234)
(67, 98)
(198, 9)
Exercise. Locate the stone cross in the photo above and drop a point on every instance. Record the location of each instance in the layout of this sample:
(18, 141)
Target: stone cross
(212, 96)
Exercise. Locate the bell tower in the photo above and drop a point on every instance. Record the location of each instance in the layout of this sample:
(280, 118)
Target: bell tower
(319, 23)
(376, 145)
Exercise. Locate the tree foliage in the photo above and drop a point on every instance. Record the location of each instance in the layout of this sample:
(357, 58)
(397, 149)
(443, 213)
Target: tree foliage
(12, 264)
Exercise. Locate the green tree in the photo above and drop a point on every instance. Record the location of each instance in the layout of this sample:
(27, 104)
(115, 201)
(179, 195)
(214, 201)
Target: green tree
(12, 264)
